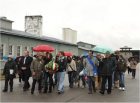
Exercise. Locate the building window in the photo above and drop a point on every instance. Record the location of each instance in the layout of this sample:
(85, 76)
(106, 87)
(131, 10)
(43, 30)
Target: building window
(18, 50)
(10, 49)
(1, 51)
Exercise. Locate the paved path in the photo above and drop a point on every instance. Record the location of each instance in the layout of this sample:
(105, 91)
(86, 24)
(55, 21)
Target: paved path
(75, 95)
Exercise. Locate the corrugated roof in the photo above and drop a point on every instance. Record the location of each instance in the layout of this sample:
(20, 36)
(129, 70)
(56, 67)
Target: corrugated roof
(34, 36)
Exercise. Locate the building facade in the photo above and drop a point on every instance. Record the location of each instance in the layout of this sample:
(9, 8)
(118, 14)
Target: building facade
(70, 35)
(16, 42)
(83, 47)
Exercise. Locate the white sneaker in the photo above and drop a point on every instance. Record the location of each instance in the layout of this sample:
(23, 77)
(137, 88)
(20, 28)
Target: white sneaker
(120, 88)
(123, 89)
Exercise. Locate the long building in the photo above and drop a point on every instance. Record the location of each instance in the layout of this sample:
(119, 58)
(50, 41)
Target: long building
(15, 42)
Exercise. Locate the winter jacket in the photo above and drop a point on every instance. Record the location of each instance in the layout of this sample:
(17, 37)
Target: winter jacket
(9, 65)
(100, 67)
(133, 64)
(108, 66)
(27, 65)
(62, 63)
(37, 66)
(71, 66)
(121, 65)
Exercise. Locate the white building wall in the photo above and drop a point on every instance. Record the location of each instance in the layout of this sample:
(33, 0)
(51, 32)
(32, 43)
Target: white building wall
(70, 35)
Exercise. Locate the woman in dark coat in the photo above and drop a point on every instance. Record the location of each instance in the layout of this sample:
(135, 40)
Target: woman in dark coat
(9, 72)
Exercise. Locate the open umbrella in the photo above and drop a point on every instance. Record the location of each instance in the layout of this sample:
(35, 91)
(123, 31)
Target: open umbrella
(68, 54)
(102, 49)
(43, 48)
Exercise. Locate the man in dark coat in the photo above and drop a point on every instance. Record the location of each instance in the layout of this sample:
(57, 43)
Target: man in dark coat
(9, 72)
(106, 72)
(25, 64)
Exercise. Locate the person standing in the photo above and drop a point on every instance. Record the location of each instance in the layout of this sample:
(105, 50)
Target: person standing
(121, 68)
(91, 63)
(71, 68)
(37, 67)
(128, 66)
(9, 72)
(25, 64)
(62, 63)
(17, 61)
(51, 68)
(100, 59)
(80, 67)
(133, 64)
(47, 75)
(106, 73)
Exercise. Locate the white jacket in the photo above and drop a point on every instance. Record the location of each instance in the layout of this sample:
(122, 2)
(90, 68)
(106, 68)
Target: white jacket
(73, 66)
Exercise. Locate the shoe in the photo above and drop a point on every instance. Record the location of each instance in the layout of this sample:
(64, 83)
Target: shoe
(39, 91)
(78, 85)
(32, 92)
(108, 92)
(59, 92)
(120, 88)
(94, 90)
(4, 90)
(123, 89)
(133, 77)
(101, 92)
(24, 90)
(89, 92)
(45, 92)
(50, 92)
(11, 90)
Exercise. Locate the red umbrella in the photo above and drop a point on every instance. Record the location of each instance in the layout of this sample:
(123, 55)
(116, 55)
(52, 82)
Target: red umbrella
(68, 53)
(43, 48)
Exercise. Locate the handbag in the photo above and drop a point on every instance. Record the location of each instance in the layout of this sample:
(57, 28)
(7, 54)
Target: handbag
(83, 72)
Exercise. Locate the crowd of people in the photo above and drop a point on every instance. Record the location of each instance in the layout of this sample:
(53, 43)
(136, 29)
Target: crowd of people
(101, 72)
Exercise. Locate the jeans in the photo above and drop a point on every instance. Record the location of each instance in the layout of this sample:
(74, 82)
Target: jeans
(113, 78)
(48, 81)
(121, 79)
(60, 81)
(104, 80)
(91, 84)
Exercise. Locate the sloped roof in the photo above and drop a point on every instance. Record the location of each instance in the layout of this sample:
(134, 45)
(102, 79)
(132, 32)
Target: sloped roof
(34, 36)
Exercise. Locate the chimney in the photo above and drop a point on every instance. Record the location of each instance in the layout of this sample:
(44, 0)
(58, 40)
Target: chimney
(70, 35)
(5, 23)
(33, 24)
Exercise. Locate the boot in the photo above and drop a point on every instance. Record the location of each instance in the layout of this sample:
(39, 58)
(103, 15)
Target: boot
(4, 90)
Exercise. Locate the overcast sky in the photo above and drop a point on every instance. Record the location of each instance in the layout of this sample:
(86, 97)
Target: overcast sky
(114, 23)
